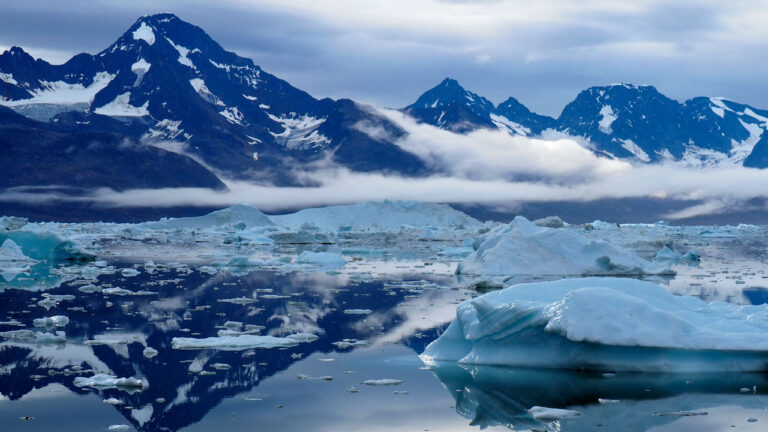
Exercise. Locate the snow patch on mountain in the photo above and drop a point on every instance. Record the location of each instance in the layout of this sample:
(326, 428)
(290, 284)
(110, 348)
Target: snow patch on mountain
(300, 132)
(718, 107)
(145, 33)
(202, 90)
(504, 123)
(121, 107)
(606, 120)
(233, 115)
(8, 78)
(62, 93)
(166, 129)
(183, 53)
(742, 149)
(140, 67)
(635, 149)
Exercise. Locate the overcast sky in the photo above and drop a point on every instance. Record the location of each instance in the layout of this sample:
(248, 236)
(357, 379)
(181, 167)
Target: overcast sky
(387, 52)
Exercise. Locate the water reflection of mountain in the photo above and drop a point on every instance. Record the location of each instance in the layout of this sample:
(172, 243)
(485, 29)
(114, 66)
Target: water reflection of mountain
(501, 396)
(188, 304)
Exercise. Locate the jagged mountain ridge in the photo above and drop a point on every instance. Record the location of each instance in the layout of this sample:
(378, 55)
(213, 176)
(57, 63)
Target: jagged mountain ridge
(167, 80)
(620, 120)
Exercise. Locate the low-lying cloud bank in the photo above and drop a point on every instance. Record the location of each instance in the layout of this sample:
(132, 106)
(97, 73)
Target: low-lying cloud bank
(483, 167)
(342, 186)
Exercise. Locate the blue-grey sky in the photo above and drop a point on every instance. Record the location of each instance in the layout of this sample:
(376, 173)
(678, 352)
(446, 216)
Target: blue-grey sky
(387, 52)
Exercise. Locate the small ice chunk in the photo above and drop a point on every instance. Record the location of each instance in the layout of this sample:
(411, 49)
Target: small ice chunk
(237, 343)
(50, 322)
(551, 414)
(149, 352)
(358, 311)
(129, 272)
(382, 382)
(104, 381)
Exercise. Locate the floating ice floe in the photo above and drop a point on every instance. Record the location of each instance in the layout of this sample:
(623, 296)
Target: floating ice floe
(50, 322)
(608, 324)
(358, 311)
(523, 248)
(236, 343)
(105, 381)
(382, 382)
(34, 337)
(551, 414)
(325, 260)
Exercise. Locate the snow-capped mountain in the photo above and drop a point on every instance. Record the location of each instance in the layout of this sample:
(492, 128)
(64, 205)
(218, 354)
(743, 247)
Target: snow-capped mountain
(450, 106)
(166, 84)
(623, 121)
(642, 124)
(166, 79)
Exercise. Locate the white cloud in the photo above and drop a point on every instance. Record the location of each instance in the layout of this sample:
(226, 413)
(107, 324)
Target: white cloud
(491, 154)
(484, 167)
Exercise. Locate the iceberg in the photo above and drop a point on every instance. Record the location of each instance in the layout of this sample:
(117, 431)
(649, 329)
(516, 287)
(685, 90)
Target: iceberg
(523, 248)
(43, 245)
(325, 260)
(604, 324)
(239, 216)
(385, 215)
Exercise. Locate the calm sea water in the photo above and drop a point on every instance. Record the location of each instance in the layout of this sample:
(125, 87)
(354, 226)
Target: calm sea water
(368, 330)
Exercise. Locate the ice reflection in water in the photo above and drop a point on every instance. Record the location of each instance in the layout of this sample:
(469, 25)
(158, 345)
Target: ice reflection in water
(493, 396)
(241, 390)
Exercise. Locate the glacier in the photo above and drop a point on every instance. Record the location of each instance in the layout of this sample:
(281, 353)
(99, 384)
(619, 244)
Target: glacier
(605, 324)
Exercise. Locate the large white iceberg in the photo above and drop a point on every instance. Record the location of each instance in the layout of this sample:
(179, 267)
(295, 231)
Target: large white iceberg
(523, 248)
(385, 215)
(604, 324)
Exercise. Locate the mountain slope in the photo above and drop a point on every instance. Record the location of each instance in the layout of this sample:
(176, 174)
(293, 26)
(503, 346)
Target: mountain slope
(88, 159)
(169, 80)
